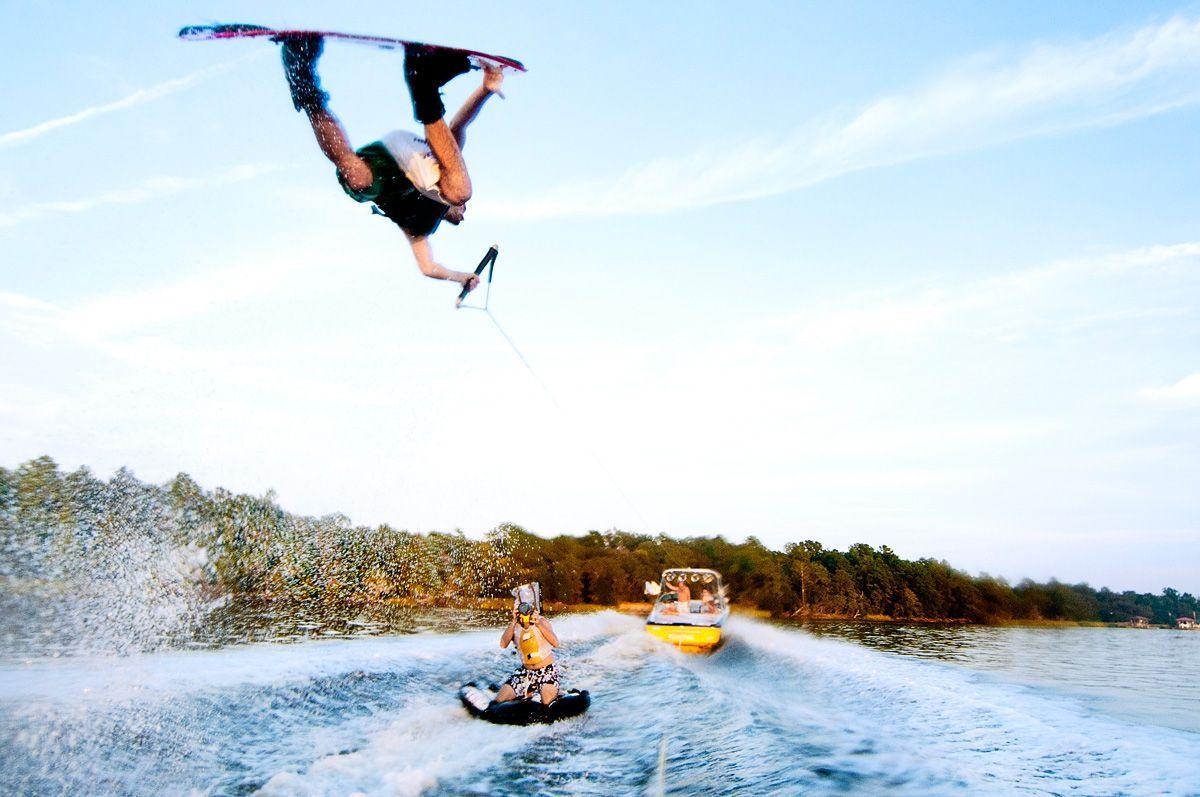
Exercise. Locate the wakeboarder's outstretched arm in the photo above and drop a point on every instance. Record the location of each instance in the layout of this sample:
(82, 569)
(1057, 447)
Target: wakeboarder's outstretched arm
(423, 253)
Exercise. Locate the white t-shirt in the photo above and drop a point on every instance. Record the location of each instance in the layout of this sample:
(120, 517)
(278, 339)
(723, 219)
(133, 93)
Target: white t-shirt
(414, 158)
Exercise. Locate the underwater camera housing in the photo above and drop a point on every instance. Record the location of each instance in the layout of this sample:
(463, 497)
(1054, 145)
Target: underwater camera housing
(530, 593)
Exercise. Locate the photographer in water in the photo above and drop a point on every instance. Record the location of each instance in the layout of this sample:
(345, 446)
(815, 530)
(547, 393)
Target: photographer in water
(535, 641)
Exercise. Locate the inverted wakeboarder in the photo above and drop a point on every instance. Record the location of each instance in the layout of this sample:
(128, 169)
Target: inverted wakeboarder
(415, 182)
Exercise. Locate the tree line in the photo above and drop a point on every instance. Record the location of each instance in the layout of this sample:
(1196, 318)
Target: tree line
(55, 526)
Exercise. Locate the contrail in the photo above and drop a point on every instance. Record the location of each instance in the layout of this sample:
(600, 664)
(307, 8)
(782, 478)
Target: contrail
(139, 97)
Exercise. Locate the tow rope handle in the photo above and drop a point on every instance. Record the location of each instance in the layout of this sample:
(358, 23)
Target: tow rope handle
(488, 262)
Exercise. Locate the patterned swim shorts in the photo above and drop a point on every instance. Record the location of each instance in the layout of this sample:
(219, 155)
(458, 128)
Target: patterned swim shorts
(523, 680)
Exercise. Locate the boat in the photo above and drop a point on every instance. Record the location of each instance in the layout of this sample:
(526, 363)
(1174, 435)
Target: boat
(693, 626)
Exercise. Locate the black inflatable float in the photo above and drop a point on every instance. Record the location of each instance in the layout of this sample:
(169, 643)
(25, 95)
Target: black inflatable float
(480, 703)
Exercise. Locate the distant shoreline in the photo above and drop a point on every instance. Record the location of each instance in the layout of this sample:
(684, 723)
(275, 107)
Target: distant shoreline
(640, 609)
(73, 532)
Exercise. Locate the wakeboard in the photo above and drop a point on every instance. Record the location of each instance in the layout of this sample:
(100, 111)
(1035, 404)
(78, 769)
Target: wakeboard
(238, 30)
(481, 703)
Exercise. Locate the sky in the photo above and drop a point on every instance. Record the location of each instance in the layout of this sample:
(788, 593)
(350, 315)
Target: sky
(923, 275)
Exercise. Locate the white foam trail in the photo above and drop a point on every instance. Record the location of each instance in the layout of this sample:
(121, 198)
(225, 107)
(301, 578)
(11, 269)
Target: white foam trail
(177, 673)
(992, 735)
(414, 753)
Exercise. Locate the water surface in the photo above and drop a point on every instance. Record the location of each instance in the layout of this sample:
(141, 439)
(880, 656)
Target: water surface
(778, 710)
(1149, 675)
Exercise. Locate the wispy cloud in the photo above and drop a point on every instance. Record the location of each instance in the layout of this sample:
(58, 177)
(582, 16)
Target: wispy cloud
(1061, 297)
(1185, 390)
(139, 315)
(151, 188)
(136, 312)
(912, 376)
(139, 97)
(987, 100)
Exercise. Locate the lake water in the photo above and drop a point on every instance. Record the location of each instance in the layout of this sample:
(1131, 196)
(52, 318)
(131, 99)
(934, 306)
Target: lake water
(855, 709)
(1144, 675)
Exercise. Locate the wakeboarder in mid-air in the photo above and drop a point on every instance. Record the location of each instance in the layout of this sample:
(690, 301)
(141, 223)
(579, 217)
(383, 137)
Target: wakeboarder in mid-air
(416, 182)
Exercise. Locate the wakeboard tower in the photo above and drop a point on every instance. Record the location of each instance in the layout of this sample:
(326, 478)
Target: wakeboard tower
(239, 30)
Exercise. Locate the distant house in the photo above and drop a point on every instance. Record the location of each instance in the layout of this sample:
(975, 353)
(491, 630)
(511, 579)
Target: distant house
(1139, 622)
(1186, 623)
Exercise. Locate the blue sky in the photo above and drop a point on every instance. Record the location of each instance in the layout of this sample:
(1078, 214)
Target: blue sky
(923, 275)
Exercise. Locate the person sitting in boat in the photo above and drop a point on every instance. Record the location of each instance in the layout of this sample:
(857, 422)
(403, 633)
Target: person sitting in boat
(535, 641)
(683, 595)
(708, 603)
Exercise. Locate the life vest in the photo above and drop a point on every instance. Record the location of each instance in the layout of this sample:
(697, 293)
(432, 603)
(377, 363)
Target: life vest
(532, 646)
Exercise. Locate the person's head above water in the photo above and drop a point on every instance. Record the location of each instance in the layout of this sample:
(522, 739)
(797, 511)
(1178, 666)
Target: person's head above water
(525, 614)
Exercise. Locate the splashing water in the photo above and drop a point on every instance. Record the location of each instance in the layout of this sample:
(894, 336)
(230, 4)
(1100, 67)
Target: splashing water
(114, 575)
(88, 566)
